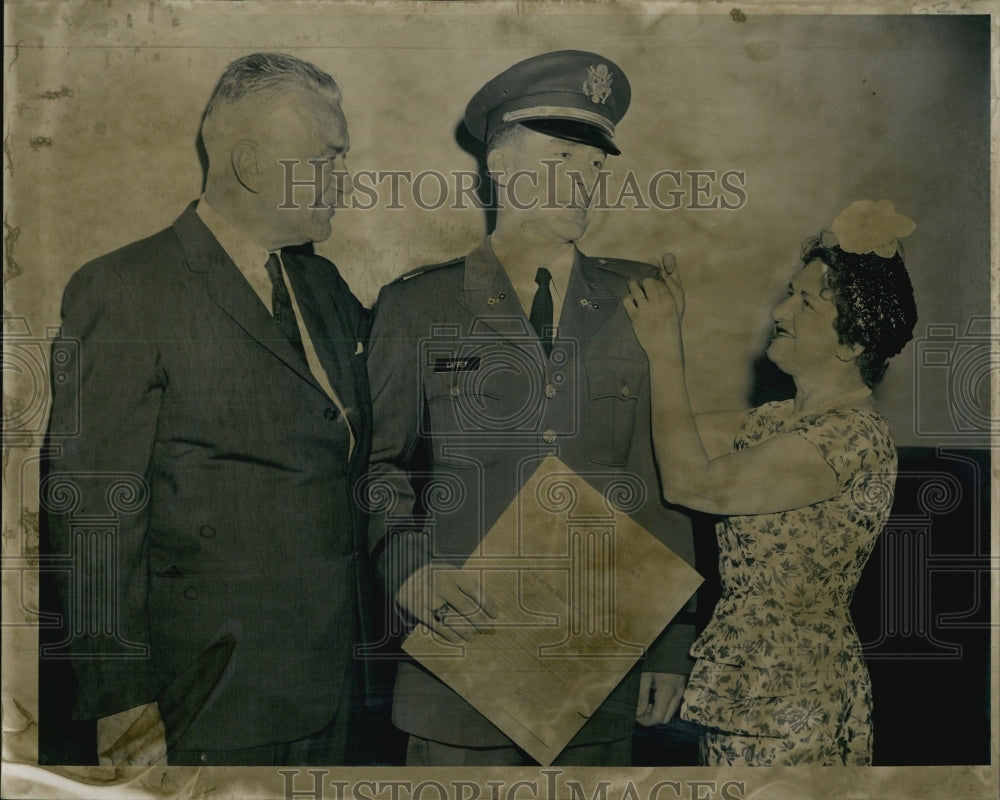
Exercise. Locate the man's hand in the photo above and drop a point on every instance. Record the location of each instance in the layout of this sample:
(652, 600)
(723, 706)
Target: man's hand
(659, 697)
(449, 601)
(135, 737)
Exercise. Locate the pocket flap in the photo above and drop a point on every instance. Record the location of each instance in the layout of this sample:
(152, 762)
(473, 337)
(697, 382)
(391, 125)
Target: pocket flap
(619, 378)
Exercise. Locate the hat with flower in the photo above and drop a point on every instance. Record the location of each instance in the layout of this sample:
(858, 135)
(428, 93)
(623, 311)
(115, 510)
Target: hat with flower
(866, 226)
(863, 265)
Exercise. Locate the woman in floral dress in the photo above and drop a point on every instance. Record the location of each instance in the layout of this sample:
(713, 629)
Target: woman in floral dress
(805, 486)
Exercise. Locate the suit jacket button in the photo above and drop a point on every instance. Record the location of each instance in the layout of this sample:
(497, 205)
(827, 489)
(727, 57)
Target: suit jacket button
(625, 390)
(550, 391)
(549, 436)
(206, 531)
(191, 593)
(330, 414)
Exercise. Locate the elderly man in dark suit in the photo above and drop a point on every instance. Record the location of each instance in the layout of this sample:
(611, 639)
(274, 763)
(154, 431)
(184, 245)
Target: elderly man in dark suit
(485, 364)
(200, 529)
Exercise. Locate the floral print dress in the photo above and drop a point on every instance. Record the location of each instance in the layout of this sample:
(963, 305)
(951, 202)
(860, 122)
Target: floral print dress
(780, 678)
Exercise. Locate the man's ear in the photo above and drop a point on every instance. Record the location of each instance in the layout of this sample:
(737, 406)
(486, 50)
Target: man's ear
(245, 158)
(496, 165)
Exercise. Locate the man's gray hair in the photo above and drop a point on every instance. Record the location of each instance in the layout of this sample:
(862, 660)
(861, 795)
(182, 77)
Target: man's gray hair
(268, 74)
(263, 78)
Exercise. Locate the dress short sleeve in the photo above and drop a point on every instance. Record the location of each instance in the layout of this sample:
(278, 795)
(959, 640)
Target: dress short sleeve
(849, 440)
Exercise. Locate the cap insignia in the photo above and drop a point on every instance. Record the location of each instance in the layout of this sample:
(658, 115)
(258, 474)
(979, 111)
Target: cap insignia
(598, 84)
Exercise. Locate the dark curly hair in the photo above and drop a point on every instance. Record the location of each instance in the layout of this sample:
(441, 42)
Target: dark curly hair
(874, 300)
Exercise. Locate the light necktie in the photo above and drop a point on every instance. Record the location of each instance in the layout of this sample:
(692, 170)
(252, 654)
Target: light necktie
(541, 309)
(281, 305)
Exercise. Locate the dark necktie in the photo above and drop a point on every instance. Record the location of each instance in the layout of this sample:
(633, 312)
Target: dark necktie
(281, 305)
(541, 310)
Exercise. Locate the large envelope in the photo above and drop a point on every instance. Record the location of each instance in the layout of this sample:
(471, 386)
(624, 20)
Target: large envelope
(581, 590)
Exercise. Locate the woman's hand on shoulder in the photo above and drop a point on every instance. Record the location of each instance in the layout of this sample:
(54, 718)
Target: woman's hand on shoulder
(655, 306)
(671, 278)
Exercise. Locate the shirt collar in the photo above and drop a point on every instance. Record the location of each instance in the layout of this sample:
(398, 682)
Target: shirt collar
(249, 256)
(560, 270)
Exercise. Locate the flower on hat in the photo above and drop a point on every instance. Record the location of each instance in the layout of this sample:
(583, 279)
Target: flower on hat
(869, 227)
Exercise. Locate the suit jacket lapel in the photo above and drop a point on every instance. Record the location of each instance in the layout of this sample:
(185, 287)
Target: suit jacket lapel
(229, 290)
(328, 320)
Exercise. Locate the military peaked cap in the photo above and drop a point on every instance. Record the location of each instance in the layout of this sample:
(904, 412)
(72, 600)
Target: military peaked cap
(569, 94)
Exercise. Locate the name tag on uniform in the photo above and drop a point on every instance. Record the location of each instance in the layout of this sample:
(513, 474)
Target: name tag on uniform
(470, 364)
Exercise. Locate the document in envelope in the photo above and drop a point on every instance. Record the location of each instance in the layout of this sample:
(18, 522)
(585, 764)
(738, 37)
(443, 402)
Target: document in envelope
(581, 590)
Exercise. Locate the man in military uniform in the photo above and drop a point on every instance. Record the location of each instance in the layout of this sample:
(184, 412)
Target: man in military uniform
(484, 365)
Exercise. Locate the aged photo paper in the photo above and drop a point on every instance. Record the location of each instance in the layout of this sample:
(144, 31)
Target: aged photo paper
(751, 125)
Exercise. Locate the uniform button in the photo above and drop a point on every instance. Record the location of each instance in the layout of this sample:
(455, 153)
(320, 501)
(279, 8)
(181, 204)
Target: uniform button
(191, 593)
(206, 531)
(550, 391)
(455, 391)
(549, 436)
(330, 414)
(626, 391)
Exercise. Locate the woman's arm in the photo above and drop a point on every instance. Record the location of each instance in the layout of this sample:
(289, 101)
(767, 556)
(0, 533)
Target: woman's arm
(717, 429)
(783, 472)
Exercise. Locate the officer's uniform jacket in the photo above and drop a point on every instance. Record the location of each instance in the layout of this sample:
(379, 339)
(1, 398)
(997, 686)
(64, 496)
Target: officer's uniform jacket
(465, 405)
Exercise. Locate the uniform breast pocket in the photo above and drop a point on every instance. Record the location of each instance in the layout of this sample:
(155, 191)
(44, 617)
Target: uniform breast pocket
(613, 386)
(454, 408)
(460, 422)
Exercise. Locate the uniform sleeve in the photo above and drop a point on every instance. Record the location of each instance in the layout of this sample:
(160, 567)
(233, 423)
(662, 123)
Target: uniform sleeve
(669, 651)
(396, 537)
(101, 431)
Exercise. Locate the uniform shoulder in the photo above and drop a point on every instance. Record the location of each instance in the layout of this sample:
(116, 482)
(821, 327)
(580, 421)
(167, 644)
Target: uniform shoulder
(428, 269)
(626, 268)
(420, 292)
